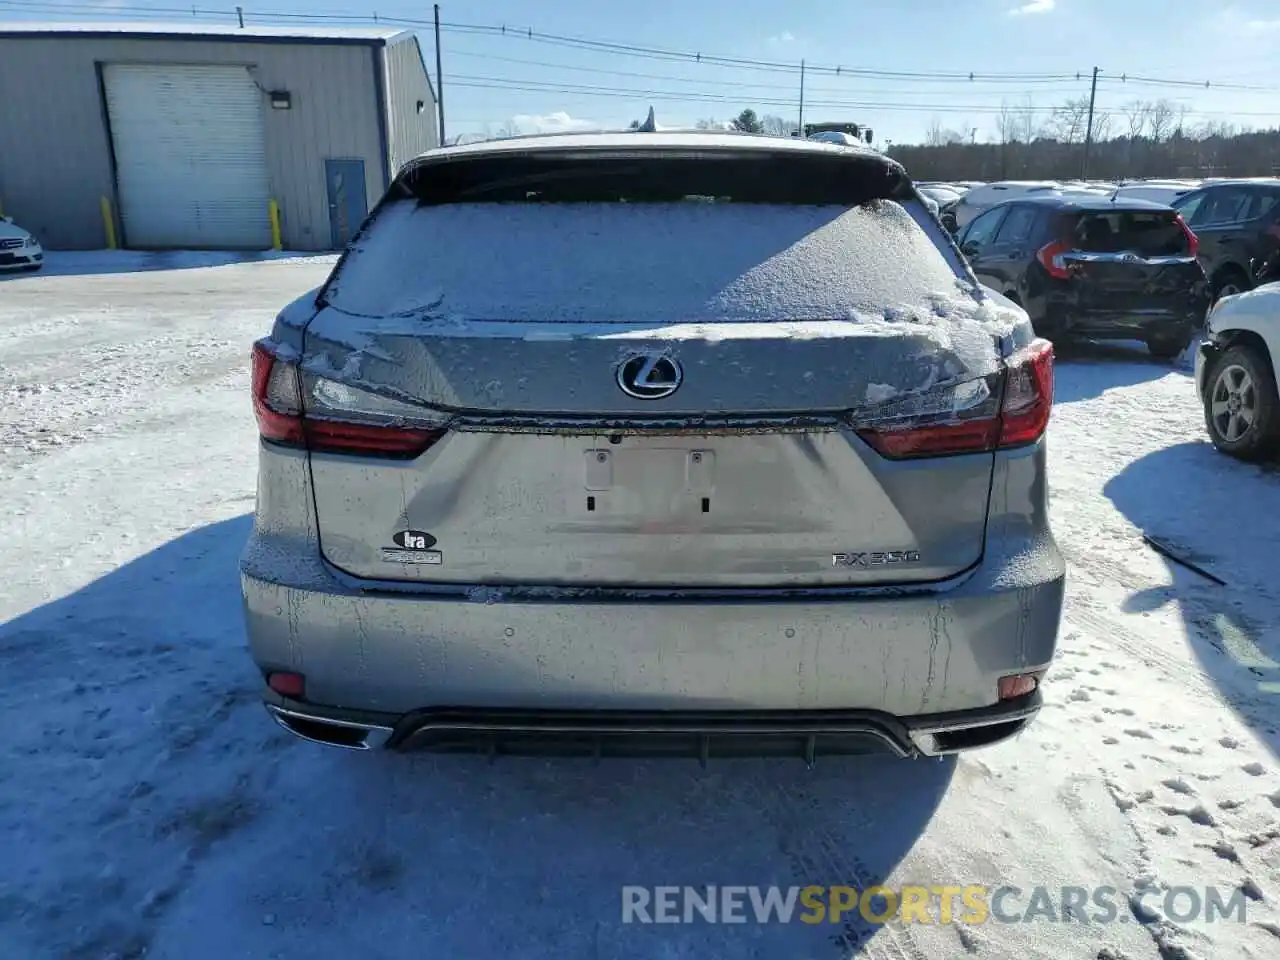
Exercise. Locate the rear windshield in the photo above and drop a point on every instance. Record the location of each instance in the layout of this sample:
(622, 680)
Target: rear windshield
(1154, 233)
(640, 239)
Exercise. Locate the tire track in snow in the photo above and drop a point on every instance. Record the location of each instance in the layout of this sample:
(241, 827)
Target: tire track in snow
(817, 856)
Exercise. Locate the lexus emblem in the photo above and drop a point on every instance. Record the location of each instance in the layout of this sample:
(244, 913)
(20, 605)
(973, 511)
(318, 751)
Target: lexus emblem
(649, 376)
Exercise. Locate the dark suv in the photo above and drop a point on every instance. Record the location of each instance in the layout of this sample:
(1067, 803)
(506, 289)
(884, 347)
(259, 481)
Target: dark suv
(1099, 269)
(1238, 223)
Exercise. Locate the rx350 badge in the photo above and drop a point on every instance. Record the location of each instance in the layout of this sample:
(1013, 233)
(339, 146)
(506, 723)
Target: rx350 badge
(412, 546)
(875, 558)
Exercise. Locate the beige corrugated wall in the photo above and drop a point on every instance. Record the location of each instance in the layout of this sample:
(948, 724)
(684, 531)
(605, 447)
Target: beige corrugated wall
(55, 150)
(410, 132)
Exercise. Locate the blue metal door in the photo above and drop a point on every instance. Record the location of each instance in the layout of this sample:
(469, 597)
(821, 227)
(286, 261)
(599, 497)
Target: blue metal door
(347, 204)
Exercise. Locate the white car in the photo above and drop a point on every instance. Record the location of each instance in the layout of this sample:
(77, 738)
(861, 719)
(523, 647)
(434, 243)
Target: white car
(19, 250)
(1236, 374)
(979, 199)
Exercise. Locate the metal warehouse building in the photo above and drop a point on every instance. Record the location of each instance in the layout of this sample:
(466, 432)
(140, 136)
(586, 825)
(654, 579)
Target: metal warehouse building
(205, 137)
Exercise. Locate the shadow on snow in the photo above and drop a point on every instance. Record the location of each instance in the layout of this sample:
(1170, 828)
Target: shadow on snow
(145, 670)
(1233, 630)
(98, 262)
(1098, 367)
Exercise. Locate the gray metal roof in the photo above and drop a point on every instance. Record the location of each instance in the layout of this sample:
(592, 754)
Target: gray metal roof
(250, 33)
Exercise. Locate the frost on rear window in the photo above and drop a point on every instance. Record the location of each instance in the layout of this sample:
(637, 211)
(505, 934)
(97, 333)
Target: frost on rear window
(671, 262)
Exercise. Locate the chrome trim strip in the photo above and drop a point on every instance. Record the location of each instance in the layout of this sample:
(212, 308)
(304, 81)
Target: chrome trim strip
(375, 736)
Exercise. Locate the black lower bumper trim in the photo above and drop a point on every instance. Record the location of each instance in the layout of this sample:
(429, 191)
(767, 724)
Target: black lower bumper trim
(695, 734)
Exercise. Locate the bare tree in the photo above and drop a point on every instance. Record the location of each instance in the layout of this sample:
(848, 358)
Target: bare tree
(776, 126)
(1202, 150)
(1180, 130)
(1008, 123)
(1160, 120)
(1136, 113)
(1028, 116)
(1068, 121)
(710, 123)
(1102, 122)
(940, 136)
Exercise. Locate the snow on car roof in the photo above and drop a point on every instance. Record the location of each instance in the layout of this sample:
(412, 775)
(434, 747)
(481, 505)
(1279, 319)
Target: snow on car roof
(248, 32)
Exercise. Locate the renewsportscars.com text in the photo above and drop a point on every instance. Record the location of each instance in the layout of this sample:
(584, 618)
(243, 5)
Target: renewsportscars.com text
(972, 904)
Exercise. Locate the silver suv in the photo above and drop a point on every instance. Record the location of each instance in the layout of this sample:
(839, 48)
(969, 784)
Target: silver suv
(652, 442)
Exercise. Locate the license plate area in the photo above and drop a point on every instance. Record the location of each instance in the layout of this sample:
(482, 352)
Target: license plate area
(649, 483)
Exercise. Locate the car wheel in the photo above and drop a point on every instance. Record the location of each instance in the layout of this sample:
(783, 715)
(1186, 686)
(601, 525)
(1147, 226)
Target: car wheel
(1169, 347)
(1241, 408)
(1228, 283)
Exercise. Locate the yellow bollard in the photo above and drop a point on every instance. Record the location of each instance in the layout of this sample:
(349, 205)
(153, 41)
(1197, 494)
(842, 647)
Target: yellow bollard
(109, 223)
(274, 209)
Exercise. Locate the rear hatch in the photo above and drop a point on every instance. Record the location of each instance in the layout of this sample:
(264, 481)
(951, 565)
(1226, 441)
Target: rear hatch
(1132, 262)
(654, 369)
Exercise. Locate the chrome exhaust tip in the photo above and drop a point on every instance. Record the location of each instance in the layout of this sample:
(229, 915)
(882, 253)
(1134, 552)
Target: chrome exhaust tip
(330, 733)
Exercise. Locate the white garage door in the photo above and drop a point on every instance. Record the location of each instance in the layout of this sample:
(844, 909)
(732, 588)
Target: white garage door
(191, 166)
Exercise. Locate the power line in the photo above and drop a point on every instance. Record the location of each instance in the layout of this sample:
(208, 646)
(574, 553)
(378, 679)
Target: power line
(683, 96)
(607, 46)
(738, 85)
(1045, 82)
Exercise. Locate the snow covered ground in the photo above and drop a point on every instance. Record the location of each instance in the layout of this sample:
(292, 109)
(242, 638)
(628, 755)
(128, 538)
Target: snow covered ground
(149, 807)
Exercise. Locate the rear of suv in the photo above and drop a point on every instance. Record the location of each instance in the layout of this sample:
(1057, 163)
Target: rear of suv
(1098, 269)
(657, 442)
(1238, 223)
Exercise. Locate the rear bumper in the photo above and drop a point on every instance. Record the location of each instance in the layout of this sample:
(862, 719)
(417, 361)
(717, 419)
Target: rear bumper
(886, 658)
(1124, 326)
(670, 733)
(383, 656)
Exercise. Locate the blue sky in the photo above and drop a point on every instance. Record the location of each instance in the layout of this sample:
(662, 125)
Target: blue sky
(492, 80)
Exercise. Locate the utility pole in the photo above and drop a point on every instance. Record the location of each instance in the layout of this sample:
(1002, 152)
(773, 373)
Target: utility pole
(439, 79)
(240, 16)
(1088, 136)
(800, 125)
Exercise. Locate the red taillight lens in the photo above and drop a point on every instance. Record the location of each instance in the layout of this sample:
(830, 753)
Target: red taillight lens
(1193, 242)
(338, 426)
(1051, 258)
(275, 398)
(1028, 395)
(941, 440)
(329, 436)
(1012, 414)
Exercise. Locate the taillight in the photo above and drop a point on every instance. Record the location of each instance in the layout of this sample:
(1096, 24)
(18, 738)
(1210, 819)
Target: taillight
(1193, 242)
(298, 409)
(1005, 410)
(1052, 258)
(1028, 395)
(276, 403)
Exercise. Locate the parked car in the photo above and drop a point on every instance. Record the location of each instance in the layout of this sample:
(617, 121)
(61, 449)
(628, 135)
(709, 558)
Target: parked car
(986, 196)
(581, 475)
(1236, 371)
(1156, 191)
(19, 250)
(1237, 221)
(1094, 268)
